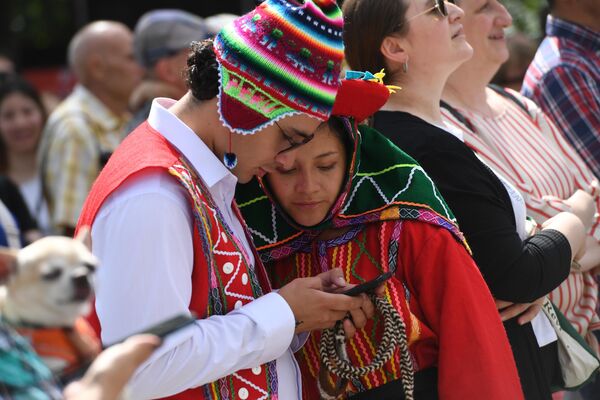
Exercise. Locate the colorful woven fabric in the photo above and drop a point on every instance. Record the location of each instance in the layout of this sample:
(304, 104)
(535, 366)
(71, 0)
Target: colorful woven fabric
(387, 193)
(282, 58)
(386, 184)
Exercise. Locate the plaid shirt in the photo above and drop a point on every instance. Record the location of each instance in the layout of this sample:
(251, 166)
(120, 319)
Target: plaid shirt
(78, 135)
(564, 80)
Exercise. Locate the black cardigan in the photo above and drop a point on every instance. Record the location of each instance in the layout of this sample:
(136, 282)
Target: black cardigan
(515, 270)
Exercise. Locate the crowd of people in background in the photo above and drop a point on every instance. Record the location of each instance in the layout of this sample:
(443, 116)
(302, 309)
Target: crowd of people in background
(497, 217)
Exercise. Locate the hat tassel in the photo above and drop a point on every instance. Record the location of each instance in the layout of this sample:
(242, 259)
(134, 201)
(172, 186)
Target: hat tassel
(230, 158)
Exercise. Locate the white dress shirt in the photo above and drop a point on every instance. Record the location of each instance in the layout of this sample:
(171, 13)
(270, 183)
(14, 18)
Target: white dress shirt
(143, 237)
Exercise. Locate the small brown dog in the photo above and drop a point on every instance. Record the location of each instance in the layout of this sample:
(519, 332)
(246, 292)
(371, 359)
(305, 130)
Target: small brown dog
(45, 295)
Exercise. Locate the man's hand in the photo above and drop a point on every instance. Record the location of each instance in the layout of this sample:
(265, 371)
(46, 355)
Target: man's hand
(334, 282)
(526, 311)
(113, 368)
(316, 309)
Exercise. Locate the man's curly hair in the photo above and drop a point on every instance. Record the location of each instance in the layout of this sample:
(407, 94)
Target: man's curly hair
(203, 70)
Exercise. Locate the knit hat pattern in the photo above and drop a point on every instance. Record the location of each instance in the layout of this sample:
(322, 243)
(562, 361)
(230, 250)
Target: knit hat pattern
(280, 59)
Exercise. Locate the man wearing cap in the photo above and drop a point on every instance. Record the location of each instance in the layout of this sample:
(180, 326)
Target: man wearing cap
(161, 41)
(170, 236)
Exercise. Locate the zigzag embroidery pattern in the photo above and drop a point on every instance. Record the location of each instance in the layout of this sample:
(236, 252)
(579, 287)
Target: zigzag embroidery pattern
(273, 224)
(368, 177)
(264, 396)
(186, 178)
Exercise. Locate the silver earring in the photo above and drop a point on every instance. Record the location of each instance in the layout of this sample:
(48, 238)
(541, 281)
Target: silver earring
(405, 67)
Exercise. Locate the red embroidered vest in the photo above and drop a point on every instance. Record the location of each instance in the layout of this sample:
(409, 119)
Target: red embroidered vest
(221, 278)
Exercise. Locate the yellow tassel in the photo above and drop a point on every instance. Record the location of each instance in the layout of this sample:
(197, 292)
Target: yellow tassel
(393, 88)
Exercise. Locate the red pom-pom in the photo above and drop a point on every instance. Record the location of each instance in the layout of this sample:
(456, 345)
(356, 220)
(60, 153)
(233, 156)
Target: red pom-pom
(325, 3)
(359, 99)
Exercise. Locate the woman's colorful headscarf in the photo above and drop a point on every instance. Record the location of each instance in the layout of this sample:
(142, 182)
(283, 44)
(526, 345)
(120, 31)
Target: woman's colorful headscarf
(282, 58)
(384, 184)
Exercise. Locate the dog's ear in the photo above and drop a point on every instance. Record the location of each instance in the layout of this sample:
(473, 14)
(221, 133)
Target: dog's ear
(83, 236)
(8, 263)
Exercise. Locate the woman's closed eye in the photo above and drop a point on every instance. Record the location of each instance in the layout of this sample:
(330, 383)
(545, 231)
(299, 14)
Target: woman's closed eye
(328, 167)
(484, 7)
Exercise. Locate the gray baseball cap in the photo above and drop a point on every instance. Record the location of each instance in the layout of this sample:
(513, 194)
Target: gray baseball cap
(165, 32)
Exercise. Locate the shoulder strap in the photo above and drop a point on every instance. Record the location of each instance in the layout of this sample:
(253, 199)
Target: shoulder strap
(461, 118)
(505, 93)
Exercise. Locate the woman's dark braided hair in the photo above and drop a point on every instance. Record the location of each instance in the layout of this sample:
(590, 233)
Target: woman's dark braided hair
(203, 70)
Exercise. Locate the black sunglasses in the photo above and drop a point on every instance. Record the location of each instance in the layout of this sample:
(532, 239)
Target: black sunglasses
(440, 7)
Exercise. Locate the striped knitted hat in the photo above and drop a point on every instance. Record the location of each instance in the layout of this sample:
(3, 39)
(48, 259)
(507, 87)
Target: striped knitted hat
(282, 58)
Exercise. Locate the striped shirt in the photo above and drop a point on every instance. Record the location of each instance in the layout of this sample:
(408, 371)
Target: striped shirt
(78, 134)
(530, 152)
(564, 79)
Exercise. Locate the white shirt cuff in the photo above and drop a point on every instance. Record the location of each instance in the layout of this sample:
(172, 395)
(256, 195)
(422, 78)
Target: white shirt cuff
(275, 317)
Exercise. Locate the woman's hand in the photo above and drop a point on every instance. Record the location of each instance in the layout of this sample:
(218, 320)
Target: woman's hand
(590, 257)
(582, 204)
(526, 311)
(572, 228)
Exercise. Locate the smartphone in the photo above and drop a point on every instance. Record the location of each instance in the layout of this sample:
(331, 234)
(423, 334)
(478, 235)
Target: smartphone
(368, 286)
(161, 330)
(170, 325)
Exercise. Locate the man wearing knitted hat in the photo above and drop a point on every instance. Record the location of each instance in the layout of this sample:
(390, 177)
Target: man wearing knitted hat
(170, 236)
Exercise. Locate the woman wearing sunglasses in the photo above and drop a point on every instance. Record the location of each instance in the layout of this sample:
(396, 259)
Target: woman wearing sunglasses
(514, 137)
(420, 43)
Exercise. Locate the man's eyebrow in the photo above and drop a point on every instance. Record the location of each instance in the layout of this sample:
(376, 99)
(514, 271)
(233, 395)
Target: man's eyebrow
(303, 134)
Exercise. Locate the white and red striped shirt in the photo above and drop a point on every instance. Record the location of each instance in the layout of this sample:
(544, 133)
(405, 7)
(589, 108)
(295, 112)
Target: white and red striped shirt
(528, 150)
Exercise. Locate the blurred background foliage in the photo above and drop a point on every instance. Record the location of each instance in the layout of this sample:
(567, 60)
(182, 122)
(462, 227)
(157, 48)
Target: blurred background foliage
(36, 32)
(528, 16)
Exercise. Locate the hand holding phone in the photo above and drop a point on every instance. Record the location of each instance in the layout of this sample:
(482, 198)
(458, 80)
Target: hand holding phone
(160, 330)
(368, 286)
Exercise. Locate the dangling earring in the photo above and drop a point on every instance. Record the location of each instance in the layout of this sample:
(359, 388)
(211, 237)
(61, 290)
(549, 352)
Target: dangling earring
(405, 67)
(230, 159)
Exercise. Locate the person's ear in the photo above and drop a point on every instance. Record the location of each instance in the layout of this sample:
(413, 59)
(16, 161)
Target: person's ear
(170, 69)
(84, 236)
(162, 70)
(394, 49)
(95, 67)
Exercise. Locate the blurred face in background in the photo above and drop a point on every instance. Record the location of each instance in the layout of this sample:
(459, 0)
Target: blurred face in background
(6, 65)
(21, 123)
(119, 72)
(484, 23)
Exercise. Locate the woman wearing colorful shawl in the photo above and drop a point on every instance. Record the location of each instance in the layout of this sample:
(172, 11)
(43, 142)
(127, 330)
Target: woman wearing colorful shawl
(355, 201)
